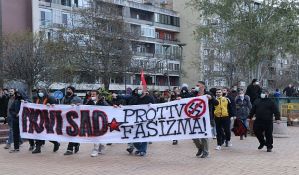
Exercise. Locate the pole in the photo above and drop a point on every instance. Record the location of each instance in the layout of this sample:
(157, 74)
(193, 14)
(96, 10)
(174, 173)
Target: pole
(167, 71)
(181, 45)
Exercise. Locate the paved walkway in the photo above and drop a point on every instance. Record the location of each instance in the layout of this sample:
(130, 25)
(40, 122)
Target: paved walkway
(163, 158)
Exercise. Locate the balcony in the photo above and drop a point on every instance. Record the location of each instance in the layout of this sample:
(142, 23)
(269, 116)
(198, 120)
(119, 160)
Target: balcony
(138, 21)
(145, 7)
(142, 54)
(167, 27)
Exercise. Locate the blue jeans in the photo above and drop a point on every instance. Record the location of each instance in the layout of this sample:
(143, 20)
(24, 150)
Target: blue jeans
(141, 146)
(245, 122)
(10, 133)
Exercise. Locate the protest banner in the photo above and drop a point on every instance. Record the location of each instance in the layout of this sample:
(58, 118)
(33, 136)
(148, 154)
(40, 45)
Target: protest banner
(176, 120)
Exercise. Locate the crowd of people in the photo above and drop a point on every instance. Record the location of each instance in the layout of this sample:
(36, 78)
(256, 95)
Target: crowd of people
(225, 104)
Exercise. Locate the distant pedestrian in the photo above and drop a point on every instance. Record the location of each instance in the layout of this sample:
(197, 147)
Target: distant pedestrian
(253, 90)
(289, 91)
(277, 93)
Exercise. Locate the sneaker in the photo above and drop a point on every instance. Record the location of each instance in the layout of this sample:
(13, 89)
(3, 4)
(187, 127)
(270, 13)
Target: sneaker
(137, 153)
(174, 142)
(199, 153)
(130, 150)
(269, 150)
(36, 151)
(94, 153)
(101, 148)
(68, 152)
(218, 147)
(109, 144)
(77, 148)
(228, 144)
(204, 155)
(14, 150)
(261, 146)
(142, 154)
(56, 147)
(214, 137)
(7, 146)
(31, 148)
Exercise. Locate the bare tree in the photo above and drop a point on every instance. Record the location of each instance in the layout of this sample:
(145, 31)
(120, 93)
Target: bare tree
(98, 43)
(25, 59)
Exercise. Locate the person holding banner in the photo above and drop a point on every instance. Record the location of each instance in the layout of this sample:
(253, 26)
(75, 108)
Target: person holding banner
(202, 144)
(142, 98)
(71, 99)
(43, 98)
(14, 111)
(95, 99)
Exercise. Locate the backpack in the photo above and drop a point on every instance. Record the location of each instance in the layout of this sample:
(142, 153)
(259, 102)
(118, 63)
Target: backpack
(239, 127)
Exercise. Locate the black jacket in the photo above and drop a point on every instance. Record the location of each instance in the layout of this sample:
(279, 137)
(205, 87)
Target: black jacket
(289, 91)
(144, 100)
(254, 92)
(15, 108)
(101, 102)
(264, 109)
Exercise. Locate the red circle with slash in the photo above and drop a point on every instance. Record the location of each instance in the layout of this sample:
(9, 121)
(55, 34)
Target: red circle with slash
(198, 103)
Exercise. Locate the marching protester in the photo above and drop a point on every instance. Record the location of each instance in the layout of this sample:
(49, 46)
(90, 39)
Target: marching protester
(264, 109)
(183, 94)
(222, 113)
(142, 98)
(243, 107)
(202, 144)
(96, 99)
(10, 119)
(71, 99)
(43, 98)
(253, 90)
(3, 104)
(14, 111)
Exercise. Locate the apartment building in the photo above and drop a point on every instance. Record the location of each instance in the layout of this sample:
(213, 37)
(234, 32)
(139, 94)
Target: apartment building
(204, 61)
(157, 50)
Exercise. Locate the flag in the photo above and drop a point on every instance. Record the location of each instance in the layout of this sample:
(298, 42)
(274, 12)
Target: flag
(143, 82)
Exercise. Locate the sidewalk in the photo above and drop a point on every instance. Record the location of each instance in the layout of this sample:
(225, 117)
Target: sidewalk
(163, 158)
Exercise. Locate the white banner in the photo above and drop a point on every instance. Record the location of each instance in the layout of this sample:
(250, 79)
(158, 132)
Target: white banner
(176, 120)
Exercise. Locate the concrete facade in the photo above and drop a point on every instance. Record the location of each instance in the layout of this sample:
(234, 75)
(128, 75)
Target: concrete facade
(192, 63)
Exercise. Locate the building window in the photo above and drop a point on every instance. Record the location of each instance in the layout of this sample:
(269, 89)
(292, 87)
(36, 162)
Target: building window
(176, 67)
(45, 17)
(65, 19)
(148, 31)
(170, 66)
(206, 52)
(66, 3)
(285, 61)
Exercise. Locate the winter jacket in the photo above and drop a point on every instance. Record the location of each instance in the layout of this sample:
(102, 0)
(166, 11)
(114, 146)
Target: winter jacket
(223, 108)
(3, 105)
(264, 109)
(243, 106)
(15, 108)
(142, 100)
(254, 92)
(100, 102)
(71, 100)
(289, 91)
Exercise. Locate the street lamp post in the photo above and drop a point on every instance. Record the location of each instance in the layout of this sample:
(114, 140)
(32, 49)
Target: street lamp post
(181, 45)
(166, 48)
